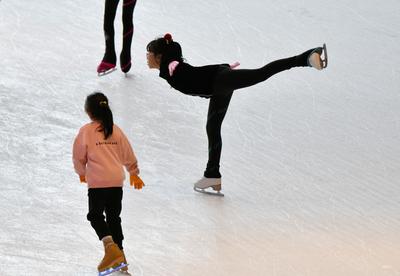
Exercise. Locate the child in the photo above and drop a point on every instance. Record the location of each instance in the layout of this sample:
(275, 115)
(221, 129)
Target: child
(110, 58)
(217, 82)
(100, 151)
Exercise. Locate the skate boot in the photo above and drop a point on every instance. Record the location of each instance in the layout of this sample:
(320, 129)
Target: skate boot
(105, 68)
(205, 183)
(125, 268)
(113, 259)
(318, 58)
(126, 62)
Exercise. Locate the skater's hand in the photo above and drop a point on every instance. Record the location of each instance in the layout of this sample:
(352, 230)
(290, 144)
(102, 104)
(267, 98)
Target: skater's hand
(136, 181)
(82, 178)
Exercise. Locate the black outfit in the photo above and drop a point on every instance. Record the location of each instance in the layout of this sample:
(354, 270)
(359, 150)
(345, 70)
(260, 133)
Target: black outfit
(108, 201)
(110, 10)
(218, 82)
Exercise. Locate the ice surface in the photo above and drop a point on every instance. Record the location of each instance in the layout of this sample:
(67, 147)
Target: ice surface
(310, 164)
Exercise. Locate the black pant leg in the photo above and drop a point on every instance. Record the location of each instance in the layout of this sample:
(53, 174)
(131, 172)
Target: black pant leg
(217, 109)
(113, 211)
(230, 80)
(97, 203)
(128, 29)
(110, 10)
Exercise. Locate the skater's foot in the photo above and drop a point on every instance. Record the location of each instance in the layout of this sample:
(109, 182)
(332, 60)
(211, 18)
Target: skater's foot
(125, 61)
(318, 58)
(105, 68)
(113, 257)
(108, 63)
(205, 182)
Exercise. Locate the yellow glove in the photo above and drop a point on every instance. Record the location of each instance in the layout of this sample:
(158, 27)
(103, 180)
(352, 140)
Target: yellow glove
(136, 181)
(82, 178)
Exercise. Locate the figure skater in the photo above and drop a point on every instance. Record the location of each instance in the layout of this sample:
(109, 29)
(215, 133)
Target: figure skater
(100, 151)
(217, 82)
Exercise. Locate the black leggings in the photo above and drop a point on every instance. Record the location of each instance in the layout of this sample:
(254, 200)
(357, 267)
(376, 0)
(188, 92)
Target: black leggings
(108, 201)
(110, 10)
(226, 82)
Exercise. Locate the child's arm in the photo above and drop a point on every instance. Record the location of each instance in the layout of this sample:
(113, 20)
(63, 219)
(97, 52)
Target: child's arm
(79, 156)
(130, 162)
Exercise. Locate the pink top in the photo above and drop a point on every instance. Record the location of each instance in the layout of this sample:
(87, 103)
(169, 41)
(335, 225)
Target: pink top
(101, 161)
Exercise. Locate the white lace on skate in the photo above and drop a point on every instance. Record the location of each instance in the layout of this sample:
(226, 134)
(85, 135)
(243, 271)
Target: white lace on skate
(205, 183)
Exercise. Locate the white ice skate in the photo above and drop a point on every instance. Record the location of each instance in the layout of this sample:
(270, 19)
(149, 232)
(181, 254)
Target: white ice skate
(205, 183)
(318, 58)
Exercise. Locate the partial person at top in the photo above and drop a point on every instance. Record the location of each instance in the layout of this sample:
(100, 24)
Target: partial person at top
(109, 61)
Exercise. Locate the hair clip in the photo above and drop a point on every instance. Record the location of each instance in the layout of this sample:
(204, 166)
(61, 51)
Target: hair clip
(103, 103)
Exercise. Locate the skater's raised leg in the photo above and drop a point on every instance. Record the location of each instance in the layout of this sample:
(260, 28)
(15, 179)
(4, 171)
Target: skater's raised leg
(110, 58)
(128, 29)
(232, 79)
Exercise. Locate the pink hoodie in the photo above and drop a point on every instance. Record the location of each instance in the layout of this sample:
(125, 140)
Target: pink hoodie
(101, 161)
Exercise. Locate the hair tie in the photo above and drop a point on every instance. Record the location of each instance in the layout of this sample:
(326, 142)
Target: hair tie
(168, 38)
(103, 103)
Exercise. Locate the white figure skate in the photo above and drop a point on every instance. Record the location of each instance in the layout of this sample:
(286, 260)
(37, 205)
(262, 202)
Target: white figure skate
(205, 183)
(319, 58)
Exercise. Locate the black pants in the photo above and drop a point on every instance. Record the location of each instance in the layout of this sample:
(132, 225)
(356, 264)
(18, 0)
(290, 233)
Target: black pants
(110, 10)
(226, 82)
(108, 201)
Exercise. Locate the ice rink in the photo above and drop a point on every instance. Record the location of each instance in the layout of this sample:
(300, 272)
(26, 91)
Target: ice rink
(310, 161)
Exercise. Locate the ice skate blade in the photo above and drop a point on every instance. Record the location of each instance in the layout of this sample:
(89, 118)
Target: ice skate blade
(325, 57)
(101, 74)
(204, 191)
(113, 269)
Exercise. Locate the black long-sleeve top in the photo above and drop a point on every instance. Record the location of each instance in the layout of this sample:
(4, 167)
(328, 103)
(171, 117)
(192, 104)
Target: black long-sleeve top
(192, 80)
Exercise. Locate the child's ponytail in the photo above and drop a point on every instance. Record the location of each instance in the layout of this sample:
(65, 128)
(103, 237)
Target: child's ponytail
(98, 109)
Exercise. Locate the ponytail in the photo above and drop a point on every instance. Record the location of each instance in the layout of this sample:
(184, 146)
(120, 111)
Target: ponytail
(97, 107)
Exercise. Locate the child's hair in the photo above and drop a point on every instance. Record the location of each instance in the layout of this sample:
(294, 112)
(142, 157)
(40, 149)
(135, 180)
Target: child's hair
(169, 49)
(97, 107)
